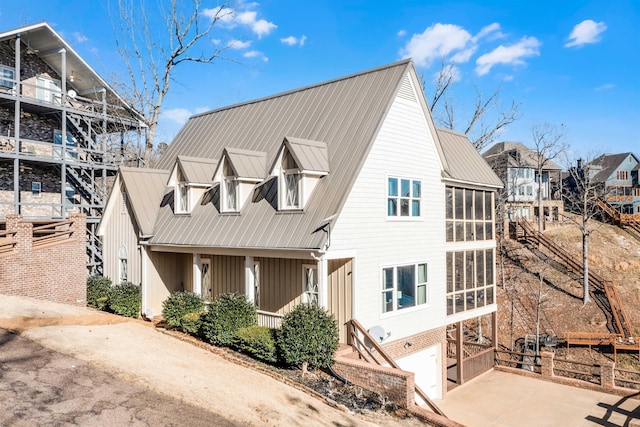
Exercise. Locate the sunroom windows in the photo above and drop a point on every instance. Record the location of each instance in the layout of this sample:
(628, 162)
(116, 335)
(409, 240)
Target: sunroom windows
(403, 197)
(470, 280)
(404, 286)
(469, 214)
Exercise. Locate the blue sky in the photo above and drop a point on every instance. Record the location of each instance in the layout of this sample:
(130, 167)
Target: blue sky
(575, 63)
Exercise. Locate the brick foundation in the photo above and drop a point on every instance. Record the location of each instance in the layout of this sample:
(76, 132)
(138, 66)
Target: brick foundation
(53, 272)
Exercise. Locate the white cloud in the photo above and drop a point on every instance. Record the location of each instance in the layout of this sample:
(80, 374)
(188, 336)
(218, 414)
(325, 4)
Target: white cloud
(606, 86)
(178, 115)
(402, 33)
(239, 44)
(586, 32)
(80, 38)
(514, 54)
(216, 41)
(508, 78)
(435, 42)
(491, 31)
(256, 54)
(464, 55)
(292, 41)
(248, 18)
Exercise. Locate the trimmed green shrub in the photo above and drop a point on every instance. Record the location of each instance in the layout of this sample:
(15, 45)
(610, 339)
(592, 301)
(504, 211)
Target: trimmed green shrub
(227, 314)
(125, 299)
(98, 291)
(308, 337)
(191, 322)
(258, 342)
(180, 303)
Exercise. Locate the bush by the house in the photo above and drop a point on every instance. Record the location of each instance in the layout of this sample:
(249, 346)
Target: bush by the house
(308, 337)
(227, 314)
(180, 303)
(125, 299)
(98, 291)
(191, 322)
(258, 342)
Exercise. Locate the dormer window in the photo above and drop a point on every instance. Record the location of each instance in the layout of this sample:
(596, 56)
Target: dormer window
(182, 199)
(299, 166)
(237, 173)
(231, 194)
(190, 178)
(292, 189)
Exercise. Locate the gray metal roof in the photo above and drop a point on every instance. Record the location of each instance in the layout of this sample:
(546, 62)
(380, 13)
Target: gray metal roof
(197, 170)
(465, 163)
(516, 154)
(609, 163)
(345, 113)
(145, 188)
(247, 164)
(309, 155)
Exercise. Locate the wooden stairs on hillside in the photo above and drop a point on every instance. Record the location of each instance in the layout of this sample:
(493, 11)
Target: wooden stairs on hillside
(629, 222)
(623, 339)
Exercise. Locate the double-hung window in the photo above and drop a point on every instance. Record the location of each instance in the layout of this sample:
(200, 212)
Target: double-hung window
(404, 286)
(231, 194)
(7, 77)
(182, 201)
(403, 197)
(36, 188)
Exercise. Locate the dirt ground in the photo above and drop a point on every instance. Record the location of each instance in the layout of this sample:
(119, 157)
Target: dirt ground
(148, 358)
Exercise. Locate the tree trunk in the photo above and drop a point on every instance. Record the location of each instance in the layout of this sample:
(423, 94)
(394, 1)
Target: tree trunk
(585, 268)
(540, 211)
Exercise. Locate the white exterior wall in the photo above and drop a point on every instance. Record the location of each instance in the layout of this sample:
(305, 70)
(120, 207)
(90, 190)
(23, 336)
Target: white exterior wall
(404, 148)
(119, 230)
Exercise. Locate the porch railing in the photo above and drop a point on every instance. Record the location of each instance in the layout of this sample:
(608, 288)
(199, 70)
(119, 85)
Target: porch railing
(7, 241)
(269, 319)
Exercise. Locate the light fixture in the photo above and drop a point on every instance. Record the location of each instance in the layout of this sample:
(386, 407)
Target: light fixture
(71, 77)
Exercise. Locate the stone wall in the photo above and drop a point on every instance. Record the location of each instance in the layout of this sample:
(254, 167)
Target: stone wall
(54, 272)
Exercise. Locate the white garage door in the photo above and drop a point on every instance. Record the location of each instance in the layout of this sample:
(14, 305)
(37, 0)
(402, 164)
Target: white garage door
(427, 366)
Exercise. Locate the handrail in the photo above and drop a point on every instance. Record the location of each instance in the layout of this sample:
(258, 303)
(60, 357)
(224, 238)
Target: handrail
(353, 326)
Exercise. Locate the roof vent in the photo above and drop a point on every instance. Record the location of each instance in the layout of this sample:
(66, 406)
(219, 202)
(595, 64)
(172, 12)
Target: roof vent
(406, 90)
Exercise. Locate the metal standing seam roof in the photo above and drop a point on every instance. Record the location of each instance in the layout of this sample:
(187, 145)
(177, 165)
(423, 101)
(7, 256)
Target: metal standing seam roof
(247, 164)
(345, 113)
(145, 188)
(197, 170)
(309, 155)
(609, 164)
(465, 163)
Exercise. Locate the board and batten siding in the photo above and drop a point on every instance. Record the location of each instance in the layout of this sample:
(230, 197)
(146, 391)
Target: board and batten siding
(404, 148)
(339, 292)
(166, 273)
(280, 283)
(120, 231)
(227, 274)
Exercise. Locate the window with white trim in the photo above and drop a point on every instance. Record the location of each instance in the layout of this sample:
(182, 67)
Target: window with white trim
(310, 284)
(470, 280)
(469, 214)
(182, 198)
(291, 189)
(230, 194)
(123, 264)
(404, 286)
(7, 77)
(403, 197)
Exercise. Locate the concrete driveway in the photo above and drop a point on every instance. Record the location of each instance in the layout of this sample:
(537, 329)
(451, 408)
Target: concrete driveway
(502, 399)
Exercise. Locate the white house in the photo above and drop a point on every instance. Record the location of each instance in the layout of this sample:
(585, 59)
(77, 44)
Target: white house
(338, 194)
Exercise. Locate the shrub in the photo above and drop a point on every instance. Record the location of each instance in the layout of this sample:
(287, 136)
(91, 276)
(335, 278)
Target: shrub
(180, 303)
(227, 314)
(308, 337)
(98, 291)
(257, 341)
(125, 299)
(191, 322)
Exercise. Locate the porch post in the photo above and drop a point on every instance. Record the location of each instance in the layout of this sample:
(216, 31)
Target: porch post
(249, 279)
(323, 291)
(459, 355)
(144, 257)
(494, 329)
(197, 276)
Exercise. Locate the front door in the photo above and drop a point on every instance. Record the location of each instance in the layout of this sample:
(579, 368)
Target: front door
(205, 276)
(339, 292)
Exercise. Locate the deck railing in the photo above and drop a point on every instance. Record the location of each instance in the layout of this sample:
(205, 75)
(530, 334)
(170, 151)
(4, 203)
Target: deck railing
(270, 320)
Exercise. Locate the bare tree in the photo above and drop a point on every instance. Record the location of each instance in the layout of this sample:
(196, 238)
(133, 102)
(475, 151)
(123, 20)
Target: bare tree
(549, 144)
(582, 197)
(150, 59)
(482, 127)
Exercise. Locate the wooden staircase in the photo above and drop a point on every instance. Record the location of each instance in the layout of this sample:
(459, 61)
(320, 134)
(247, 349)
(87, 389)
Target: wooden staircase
(627, 222)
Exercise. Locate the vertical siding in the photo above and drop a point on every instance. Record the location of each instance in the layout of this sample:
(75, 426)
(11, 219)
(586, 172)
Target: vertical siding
(280, 283)
(404, 147)
(339, 286)
(120, 231)
(167, 273)
(227, 274)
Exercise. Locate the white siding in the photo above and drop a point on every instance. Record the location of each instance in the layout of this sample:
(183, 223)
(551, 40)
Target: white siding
(404, 148)
(119, 231)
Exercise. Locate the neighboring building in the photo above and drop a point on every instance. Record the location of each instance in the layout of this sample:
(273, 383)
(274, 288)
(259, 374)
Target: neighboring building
(341, 194)
(517, 166)
(618, 173)
(61, 131)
